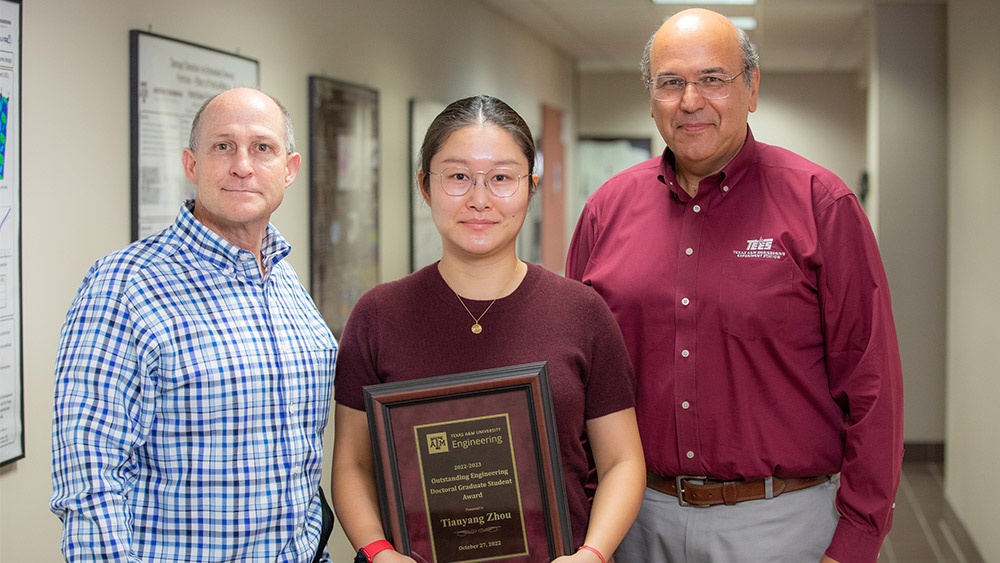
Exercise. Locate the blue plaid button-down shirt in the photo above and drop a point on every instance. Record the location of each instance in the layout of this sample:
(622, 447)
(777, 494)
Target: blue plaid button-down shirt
(190, 402)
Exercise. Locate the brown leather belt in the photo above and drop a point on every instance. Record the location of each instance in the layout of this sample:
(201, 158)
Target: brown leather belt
(709, 492)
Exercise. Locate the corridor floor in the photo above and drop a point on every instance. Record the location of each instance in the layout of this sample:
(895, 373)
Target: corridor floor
(925, 529)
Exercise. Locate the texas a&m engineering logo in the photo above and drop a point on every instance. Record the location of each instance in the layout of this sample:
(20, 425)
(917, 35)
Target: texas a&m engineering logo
(437, 442)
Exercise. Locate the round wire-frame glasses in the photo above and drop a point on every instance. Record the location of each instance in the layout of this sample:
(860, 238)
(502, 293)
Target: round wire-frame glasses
(458, 180)
(669, 87)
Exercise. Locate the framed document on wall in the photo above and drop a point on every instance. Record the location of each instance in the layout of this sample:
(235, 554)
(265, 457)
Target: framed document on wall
(467, 466)
(11, 368)
(425, 242)
(343, 195)
(170, 80)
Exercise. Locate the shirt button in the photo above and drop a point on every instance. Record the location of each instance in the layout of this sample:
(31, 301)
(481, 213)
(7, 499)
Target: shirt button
(725, 188)
(685, 301)
(697, 208)
(690, 455)
(685, 353)
(689, 251)
(685, 405)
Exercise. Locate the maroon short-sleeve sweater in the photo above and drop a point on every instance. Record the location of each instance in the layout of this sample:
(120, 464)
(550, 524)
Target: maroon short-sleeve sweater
(416, 327)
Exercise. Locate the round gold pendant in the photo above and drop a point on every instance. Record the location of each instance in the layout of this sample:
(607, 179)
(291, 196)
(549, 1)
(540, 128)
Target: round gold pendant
(477, 328)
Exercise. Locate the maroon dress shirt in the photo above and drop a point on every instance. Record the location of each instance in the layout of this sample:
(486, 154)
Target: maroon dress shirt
(758, 319)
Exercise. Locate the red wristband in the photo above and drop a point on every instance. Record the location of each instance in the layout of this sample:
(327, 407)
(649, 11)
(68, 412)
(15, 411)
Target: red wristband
(598, 553)
(374, 548)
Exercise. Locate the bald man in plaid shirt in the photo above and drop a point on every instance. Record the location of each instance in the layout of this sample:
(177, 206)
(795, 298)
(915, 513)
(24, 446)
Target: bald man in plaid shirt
(194, 373)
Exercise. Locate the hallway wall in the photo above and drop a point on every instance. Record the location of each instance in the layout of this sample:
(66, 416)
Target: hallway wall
(908, 146)
(973, 307)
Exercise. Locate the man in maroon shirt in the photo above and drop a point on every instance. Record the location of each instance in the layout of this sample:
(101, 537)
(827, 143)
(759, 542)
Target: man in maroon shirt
(753, 301)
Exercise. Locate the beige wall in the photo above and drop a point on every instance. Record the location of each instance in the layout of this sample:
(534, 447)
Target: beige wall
(615, 104)
(75, 189)
(910, 158)
(973, 336)
(818, 115)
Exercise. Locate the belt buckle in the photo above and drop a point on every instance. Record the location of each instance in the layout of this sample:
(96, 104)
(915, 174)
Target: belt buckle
(680, 489)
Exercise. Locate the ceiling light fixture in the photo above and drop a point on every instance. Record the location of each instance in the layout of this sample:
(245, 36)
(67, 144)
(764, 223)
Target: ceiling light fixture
(746, 23)
(709, 2)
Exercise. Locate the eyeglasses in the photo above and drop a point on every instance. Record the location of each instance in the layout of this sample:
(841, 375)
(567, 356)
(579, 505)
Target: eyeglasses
(456, 181)
(668, 88)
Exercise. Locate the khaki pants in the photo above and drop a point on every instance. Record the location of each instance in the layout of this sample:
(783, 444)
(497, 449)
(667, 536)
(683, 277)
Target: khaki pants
(794, 527)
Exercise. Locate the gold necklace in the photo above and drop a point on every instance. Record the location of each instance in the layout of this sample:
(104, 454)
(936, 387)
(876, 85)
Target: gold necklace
(476, 327)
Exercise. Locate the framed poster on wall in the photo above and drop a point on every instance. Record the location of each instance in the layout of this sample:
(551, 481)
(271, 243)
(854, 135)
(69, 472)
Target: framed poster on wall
(11, 368)
(599, 158)
(170, 80)
(425, 242)
(343, 195)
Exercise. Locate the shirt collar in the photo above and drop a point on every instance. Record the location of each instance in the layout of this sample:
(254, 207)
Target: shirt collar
(217, 250)
(724, 181)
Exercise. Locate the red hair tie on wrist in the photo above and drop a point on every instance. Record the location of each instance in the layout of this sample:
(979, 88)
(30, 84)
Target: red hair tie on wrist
(588, 548)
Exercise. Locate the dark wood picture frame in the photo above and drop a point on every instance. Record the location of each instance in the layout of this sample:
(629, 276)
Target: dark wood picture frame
(489, 405)
(343, 195)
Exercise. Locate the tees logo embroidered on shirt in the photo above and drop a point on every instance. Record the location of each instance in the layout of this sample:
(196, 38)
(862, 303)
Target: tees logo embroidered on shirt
(760, 248)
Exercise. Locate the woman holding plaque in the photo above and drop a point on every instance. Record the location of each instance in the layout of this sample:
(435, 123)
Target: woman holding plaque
(481, 307)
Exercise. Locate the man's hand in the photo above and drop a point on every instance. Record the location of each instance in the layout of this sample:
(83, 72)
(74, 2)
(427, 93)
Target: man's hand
(826, 559)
